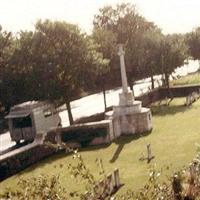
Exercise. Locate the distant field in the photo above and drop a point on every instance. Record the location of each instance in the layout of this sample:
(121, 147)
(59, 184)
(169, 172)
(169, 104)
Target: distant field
(189, 79)
(175, 133)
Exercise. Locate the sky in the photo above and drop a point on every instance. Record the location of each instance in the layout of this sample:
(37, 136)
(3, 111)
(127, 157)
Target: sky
(172, 16)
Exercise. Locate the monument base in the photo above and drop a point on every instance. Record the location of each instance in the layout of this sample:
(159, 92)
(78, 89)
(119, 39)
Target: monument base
(126, 98)
(130, 119)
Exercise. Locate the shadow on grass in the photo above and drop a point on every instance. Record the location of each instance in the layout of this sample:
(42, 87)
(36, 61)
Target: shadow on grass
(123, 140)
(93, 148)
(42, 163)
(50, 160)
(168, 110)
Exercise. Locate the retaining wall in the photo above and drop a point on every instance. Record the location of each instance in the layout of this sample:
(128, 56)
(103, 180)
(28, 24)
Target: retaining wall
(87, 134)
(20, 159)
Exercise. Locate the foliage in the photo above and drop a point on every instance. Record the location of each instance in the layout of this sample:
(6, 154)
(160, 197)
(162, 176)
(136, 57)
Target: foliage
(6, 50)
(58, 62)
(153, 189)
(184, 184)
(53, 63)
(42, 187)
(125, 24)
(193, 41)
(172, 55)
(151, 44)
(97, 66)
(48, 187)
(80, 170)
(148, 51)
(63, 55)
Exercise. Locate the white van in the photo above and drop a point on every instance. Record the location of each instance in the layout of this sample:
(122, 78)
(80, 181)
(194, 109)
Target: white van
(30, 118)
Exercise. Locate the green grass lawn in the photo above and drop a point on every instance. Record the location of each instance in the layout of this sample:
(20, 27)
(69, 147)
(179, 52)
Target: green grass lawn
(176, 130)
(189, 79)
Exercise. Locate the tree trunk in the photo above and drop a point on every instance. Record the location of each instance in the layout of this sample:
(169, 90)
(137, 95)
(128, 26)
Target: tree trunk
(152, 80)
(104, 97)
(199, 65)
(167, 80)
(130, 82)
(71, 121)
(131, 85)
(163, 79)
(170, 95)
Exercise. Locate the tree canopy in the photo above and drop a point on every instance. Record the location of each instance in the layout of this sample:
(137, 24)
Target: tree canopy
(193, 41)
(58, 62)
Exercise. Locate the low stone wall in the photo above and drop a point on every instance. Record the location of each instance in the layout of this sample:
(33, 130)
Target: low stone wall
(191, 98)
(161, 93)
(87, 134)
(183, 91)
(92, 118)
(21, 158)
(150, 97)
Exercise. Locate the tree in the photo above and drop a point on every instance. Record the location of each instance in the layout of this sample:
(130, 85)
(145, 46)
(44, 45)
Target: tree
(193, 41)
(129, 28)
(53, 63)
(151, 63)
(20, 79)
(97, 69)
(172, 55)
(64, 52)
(6, 51)
(106, 44)
(67, 58)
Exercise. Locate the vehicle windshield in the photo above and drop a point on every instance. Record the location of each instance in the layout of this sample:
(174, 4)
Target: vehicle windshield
(22, 122)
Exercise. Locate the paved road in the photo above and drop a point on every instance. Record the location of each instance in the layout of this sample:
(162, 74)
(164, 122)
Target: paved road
(94, 103)
(5, 141)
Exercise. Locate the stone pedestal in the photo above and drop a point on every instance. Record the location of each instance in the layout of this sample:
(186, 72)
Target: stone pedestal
(130, 119)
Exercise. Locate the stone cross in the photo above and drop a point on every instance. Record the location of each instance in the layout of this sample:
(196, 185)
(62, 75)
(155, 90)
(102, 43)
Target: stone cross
(149, 155)
(121, 54)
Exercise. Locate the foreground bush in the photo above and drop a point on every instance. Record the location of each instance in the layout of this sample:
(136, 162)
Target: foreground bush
(183, 185)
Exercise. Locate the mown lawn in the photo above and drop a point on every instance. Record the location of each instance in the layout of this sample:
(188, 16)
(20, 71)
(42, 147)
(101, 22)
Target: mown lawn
(189, 79)
(175, 133)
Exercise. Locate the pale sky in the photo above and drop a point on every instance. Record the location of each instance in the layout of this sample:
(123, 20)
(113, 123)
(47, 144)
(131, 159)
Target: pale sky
(171, 16)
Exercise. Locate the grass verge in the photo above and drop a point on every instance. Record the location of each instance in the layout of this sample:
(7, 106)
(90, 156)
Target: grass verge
(188, 80)
(173, 138)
